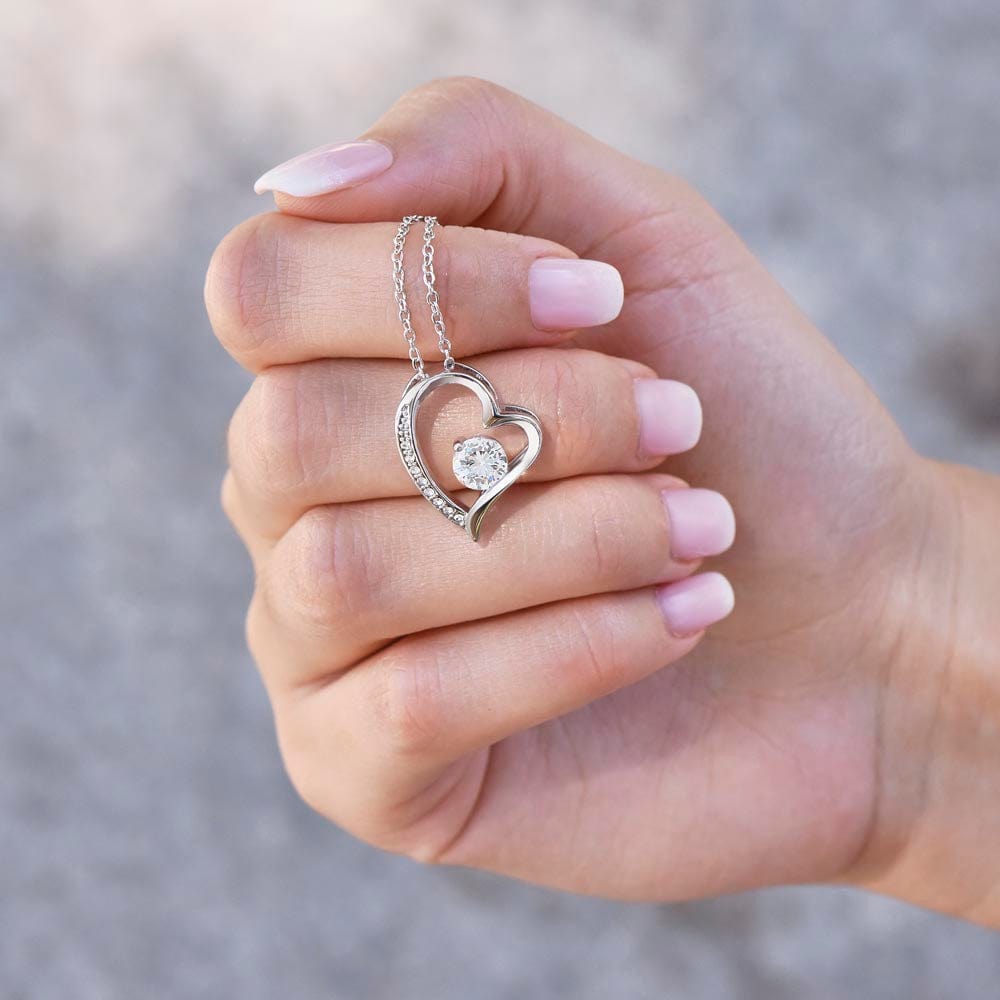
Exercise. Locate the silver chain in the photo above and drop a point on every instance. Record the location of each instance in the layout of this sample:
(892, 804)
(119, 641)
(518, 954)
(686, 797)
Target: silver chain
(399, 285)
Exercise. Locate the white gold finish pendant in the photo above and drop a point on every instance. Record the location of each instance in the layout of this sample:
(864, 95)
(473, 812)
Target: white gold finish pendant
(479, 463)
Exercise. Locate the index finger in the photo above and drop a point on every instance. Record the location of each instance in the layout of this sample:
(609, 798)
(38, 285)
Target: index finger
(282, 290)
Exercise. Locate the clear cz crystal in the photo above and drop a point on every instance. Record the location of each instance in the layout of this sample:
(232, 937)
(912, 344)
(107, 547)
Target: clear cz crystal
(479, 462)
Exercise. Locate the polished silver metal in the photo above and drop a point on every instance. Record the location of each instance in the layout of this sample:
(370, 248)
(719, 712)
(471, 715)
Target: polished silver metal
(399, 287)
(494, 415)
(421, 385)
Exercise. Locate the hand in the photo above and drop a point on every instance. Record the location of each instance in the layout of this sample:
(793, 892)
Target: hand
(523, 706)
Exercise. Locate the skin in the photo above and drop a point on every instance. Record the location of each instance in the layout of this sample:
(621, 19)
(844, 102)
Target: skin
(521, 706)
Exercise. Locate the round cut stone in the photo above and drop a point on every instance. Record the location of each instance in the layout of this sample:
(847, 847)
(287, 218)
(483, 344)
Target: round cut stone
(479, 462)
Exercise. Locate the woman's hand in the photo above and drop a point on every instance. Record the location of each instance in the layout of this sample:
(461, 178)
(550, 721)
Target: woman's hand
(523, 706)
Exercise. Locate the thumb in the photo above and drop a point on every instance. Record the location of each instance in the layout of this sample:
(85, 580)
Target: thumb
(474, 153)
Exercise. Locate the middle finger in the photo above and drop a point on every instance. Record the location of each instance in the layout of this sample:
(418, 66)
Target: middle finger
(322, 432)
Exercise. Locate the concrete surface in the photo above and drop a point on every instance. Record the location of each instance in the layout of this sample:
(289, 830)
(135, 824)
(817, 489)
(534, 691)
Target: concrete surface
(149, 844)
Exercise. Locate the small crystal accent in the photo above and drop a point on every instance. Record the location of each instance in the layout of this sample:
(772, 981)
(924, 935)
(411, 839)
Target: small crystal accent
(479, 462)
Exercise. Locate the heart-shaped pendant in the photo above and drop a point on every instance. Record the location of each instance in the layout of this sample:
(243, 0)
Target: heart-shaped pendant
(480, 462)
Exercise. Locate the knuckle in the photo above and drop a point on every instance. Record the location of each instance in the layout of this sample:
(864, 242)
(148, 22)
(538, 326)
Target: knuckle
(325, 580)
(268, 435)
(303, 760)
(467, 91)
(681, 201)
(596, 657)
(307, 781)
(256, 627)
(475, 269)
(483, 113)
(247, 287)
(227, 497)
(408, 703)
(324, 778)
(696, 242)
(687, 194)
(460, 274)
(608, 540)
(565, 379)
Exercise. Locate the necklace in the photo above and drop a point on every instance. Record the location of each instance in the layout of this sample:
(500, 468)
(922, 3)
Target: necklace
(480, 463)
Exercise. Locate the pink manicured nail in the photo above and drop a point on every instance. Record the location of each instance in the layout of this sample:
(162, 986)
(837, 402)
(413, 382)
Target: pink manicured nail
(569, 294)
(329, 168)
(691, 605)
(701, 523)
(669, 416)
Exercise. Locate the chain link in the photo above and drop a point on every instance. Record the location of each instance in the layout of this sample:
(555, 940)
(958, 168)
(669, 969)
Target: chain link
(399, 287)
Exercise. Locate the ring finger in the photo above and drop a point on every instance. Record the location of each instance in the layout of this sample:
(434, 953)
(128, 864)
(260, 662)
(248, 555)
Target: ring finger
(348, 578)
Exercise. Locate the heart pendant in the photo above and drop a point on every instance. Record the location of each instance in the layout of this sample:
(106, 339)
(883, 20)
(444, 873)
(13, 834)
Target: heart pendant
(480, 462)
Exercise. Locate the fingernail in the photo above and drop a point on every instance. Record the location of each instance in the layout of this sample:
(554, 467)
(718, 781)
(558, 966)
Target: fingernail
(568, 294)
(691, 605)
(669, 416)
(326, 169)
(701, 523)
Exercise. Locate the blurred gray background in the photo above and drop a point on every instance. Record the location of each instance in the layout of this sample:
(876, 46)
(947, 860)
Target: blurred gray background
(149, 843)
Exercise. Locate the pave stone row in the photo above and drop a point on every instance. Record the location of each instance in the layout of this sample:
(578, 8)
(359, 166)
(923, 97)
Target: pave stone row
(437, 498)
